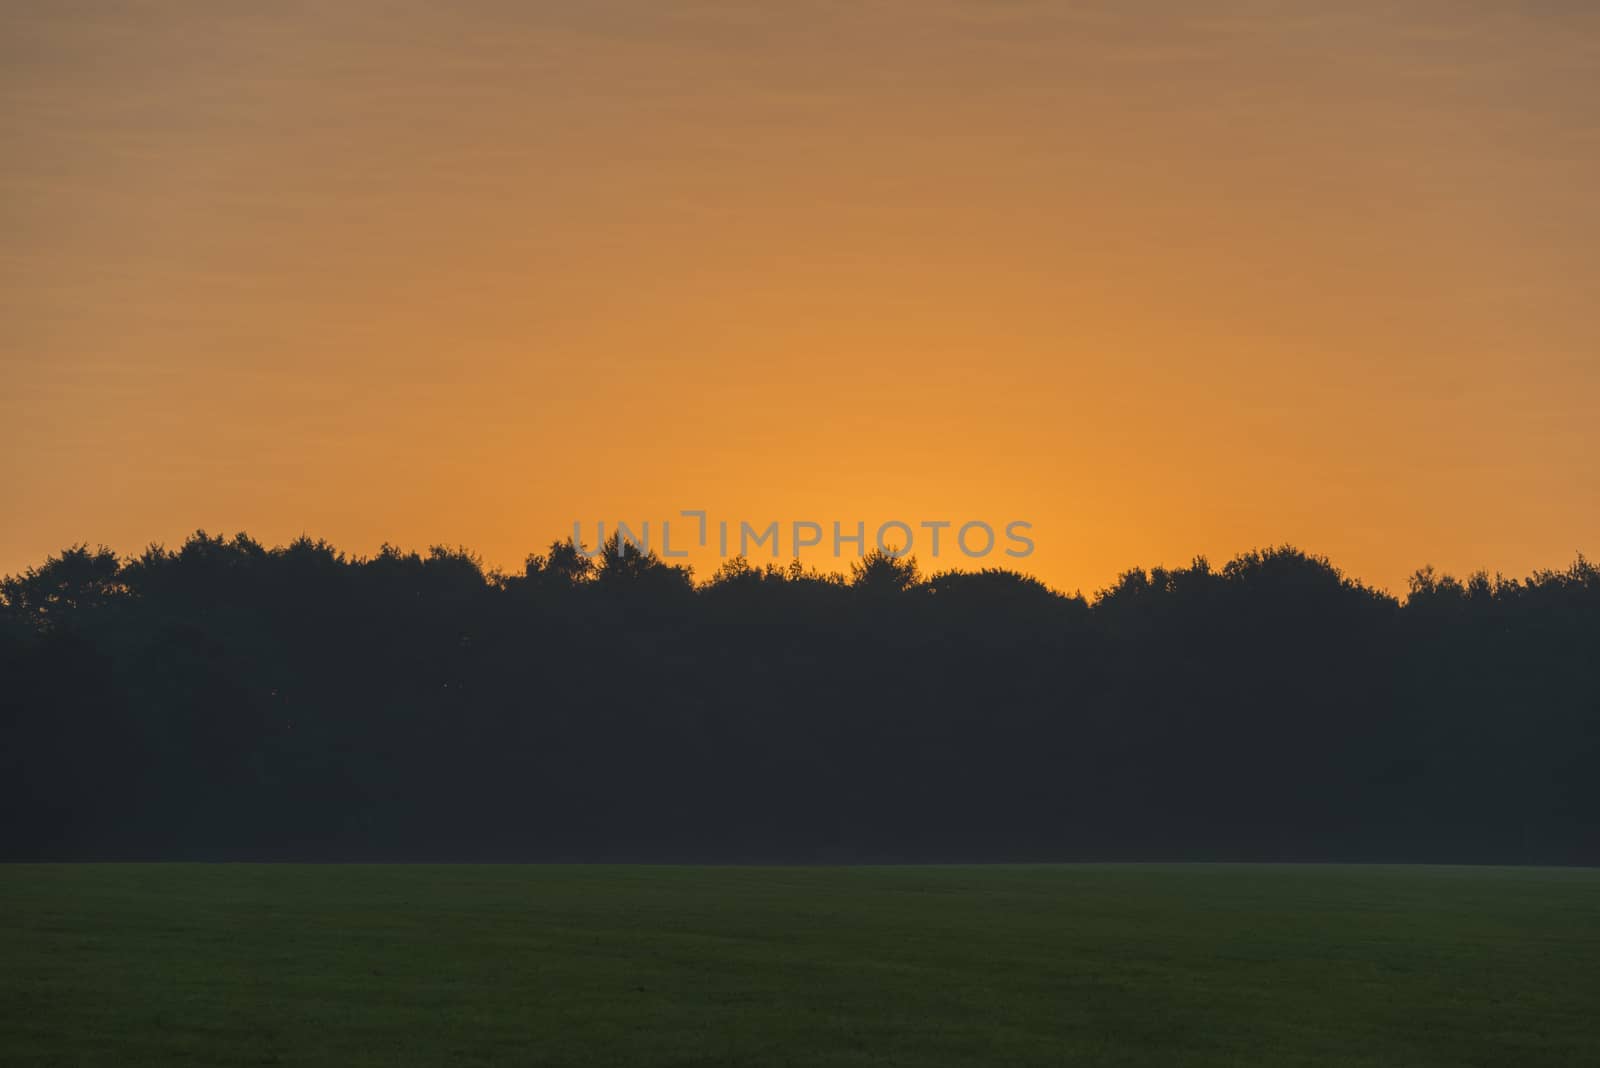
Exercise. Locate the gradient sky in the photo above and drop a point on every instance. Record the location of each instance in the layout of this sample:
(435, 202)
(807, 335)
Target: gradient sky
(1163, 278)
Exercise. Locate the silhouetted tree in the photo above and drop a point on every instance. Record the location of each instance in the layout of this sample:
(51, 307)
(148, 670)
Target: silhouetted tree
(227, 699)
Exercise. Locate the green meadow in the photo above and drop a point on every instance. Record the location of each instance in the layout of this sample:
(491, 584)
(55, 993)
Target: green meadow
(241, 964)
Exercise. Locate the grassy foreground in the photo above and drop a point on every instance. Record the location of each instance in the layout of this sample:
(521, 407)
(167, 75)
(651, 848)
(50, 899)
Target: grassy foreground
(1115, 964)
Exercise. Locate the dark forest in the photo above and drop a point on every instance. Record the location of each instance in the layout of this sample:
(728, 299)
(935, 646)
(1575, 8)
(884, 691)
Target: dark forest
(227, 700)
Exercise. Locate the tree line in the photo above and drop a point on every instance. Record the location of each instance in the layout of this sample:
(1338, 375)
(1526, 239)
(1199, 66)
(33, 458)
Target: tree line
(228, 700)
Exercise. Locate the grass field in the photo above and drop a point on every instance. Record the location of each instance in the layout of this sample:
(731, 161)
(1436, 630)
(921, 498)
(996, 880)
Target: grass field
(1115, 964)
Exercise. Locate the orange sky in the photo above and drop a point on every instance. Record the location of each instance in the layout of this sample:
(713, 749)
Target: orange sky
(1161, 278)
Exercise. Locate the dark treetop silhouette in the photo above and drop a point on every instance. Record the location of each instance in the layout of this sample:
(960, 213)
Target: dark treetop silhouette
(229, 700)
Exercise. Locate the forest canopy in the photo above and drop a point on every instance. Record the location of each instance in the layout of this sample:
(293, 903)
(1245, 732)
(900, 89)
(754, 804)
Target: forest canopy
(227, 699)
